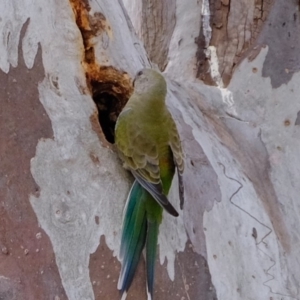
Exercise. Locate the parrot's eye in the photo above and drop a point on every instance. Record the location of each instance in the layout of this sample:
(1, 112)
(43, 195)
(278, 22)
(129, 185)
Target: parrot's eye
(139, 73)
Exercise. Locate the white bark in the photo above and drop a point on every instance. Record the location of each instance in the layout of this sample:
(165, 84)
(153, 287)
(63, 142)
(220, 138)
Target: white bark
(237, 128)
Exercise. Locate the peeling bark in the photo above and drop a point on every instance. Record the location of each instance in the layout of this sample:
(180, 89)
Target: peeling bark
(27, 261)
(235, 26)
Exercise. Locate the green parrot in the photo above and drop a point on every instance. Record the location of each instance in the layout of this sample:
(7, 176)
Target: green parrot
(149, 146)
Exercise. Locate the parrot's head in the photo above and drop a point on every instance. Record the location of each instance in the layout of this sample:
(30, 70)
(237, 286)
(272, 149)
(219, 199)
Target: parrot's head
(150, 81)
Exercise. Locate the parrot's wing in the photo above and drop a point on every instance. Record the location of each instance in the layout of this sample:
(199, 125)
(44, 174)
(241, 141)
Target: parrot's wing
(140, 156)
(155, 189)
(175, 145)
(181, 189)
(137, 151)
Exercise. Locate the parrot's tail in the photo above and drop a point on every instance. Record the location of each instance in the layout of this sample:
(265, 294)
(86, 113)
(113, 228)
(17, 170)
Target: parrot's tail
(151, 245)
(140, 226)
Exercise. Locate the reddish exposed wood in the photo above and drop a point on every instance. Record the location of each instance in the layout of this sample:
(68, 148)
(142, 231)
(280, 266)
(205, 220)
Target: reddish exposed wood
(234, 32)
(192, 278)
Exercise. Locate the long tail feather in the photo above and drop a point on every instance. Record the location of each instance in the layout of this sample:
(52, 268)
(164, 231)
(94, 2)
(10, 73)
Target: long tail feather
(130, 212)
(133, 236)
(151, 245)
(142, 219)
(154, 218)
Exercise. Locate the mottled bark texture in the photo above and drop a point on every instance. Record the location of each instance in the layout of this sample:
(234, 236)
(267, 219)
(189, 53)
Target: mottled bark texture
(27, 262)
(66, 71)
(155, 25)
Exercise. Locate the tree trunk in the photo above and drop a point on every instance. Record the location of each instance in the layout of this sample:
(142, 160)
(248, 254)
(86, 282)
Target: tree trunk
(66, 70)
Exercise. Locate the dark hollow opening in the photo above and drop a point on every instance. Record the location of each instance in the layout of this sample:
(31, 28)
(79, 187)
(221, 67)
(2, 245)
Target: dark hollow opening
(107, 114)
(110, 97)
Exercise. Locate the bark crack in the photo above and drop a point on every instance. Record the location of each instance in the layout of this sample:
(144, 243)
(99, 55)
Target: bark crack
(262, 240)
(110, 88)
(239, 207)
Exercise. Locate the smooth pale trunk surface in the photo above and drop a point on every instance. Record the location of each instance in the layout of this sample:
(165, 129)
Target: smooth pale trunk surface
(63, 187)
